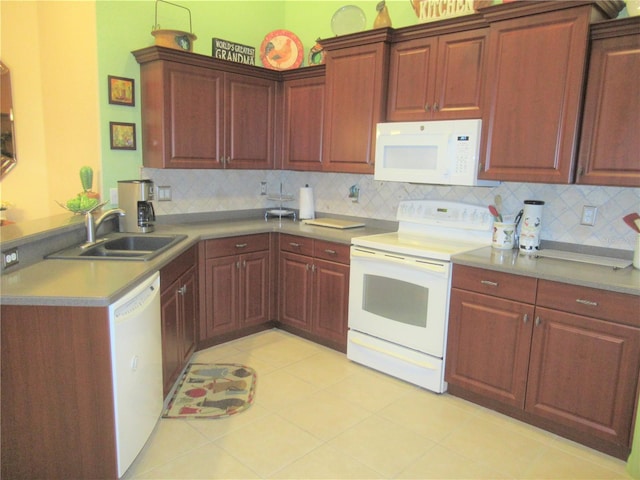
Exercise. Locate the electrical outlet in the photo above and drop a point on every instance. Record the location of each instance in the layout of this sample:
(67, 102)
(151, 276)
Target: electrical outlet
(113, 196)
(263, 188)
(10, 258)
(589, 215)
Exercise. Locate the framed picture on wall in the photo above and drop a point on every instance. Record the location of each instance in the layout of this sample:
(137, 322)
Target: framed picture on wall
(122, 135)
(121, 91)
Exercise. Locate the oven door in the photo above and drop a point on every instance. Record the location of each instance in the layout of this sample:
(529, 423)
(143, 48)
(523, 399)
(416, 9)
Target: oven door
(400, 299)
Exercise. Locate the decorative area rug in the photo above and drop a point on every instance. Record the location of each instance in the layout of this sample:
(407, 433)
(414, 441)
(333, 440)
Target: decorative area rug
(212, 391)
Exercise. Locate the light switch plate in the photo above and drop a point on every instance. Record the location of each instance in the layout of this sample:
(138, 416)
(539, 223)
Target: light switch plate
(164, 193)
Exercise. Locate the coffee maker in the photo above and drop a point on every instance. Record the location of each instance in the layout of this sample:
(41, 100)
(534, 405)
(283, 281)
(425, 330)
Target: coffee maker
(134, 197)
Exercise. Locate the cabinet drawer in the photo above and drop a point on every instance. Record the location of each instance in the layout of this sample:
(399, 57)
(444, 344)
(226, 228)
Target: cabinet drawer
(295, 244)
(177, 267)
(335, 252)
(223, 247)
(499, 284)
(591, 302)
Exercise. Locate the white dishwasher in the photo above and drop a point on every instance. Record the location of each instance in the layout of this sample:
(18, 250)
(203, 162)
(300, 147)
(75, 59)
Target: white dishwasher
(136, 362)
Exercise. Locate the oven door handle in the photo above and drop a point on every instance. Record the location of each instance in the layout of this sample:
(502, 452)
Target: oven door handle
(393, 354)
(423, 264)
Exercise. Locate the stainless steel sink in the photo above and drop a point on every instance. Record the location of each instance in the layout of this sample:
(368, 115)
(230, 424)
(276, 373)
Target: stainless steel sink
(122, 247)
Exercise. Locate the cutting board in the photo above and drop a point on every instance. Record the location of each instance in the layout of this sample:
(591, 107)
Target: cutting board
(333, 223)
(584, 258)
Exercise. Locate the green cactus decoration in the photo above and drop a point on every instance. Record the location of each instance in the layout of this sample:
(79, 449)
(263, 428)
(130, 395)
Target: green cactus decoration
(86, 177)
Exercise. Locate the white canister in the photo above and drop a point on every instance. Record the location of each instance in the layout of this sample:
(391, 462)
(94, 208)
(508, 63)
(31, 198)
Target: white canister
(503, 235)
(636, 253)
(531, 226)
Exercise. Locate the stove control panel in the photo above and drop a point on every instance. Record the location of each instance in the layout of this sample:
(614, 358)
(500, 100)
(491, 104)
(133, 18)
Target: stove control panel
(445, 214)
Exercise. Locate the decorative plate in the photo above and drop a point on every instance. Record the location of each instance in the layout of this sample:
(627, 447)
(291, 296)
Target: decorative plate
(281, 50)
(348, 19)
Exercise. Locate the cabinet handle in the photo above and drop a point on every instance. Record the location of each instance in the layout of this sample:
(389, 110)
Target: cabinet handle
(587, 302)
(227, 160)
(489, 283)
(238, 264)
(307, 266)
(313, 268)
(436, 107)
(427, 107)
(294, 244)
(241, 245)
(538, 321)
(329, 251)
(182, 290)
(525, 319)
(244, 264)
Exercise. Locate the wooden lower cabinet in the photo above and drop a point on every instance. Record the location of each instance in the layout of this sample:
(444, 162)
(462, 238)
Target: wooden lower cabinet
(179, 311)
(236, 286)
(569, 363)
(57, 411)
(314, 289)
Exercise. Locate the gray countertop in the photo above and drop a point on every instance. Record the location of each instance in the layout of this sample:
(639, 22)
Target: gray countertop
(624, 280)
(98, 283)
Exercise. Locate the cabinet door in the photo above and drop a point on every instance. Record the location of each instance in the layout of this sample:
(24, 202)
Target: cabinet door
(254, 289)
(189, 312)
(412, 71)
(331, 300)
(249, 122)
(356, 80)
(221, 280)
(534, 87)
(182, 116)
(488, 346)
(461, 71)
(610, 142)
(437, 78)
(172, 359)
(584, 374)
(304, 101)
(295, 290)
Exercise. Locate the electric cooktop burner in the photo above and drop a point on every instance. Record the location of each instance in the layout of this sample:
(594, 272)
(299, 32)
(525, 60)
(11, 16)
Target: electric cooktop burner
(434, 229)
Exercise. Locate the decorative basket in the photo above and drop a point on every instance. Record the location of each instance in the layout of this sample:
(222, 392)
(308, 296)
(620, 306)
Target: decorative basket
(176, 39)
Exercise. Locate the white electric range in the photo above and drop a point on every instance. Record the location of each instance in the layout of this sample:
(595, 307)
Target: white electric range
(400, 285)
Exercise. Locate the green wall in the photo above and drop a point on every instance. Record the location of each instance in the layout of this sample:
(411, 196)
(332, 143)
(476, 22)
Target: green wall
(126, 26)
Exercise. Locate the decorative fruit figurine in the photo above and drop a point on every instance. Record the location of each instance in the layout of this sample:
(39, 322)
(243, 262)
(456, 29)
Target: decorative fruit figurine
(86, 178)
(382, 19)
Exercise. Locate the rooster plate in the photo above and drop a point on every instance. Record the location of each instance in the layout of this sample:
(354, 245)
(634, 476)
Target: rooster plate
(281, 50)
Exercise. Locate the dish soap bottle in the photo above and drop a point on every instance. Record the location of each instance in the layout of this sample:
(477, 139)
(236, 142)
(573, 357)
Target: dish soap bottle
(382, 19)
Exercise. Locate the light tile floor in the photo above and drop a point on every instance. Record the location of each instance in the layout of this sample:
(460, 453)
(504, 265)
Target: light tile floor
(317, 415)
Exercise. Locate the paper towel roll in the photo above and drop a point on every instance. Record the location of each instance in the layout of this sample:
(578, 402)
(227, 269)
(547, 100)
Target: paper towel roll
(307, 208)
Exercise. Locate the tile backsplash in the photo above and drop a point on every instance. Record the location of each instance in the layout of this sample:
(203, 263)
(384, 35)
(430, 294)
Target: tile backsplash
(196, 191)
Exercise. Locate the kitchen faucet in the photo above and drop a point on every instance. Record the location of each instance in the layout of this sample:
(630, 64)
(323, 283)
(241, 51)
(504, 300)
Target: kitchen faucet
(93, 224)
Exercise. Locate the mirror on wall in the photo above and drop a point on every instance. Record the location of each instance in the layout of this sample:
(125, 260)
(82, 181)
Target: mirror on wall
(7, 132)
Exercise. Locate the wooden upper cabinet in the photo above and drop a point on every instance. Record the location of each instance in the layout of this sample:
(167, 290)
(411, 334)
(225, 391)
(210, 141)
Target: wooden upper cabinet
(249, 121)
(356, 81)
(610, 139)
(182, 112)
(437, 78)
(199, 112)
(534, 90)
(303, 113)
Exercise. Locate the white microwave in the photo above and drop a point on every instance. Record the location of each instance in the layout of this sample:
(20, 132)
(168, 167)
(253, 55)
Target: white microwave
(442, 152)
